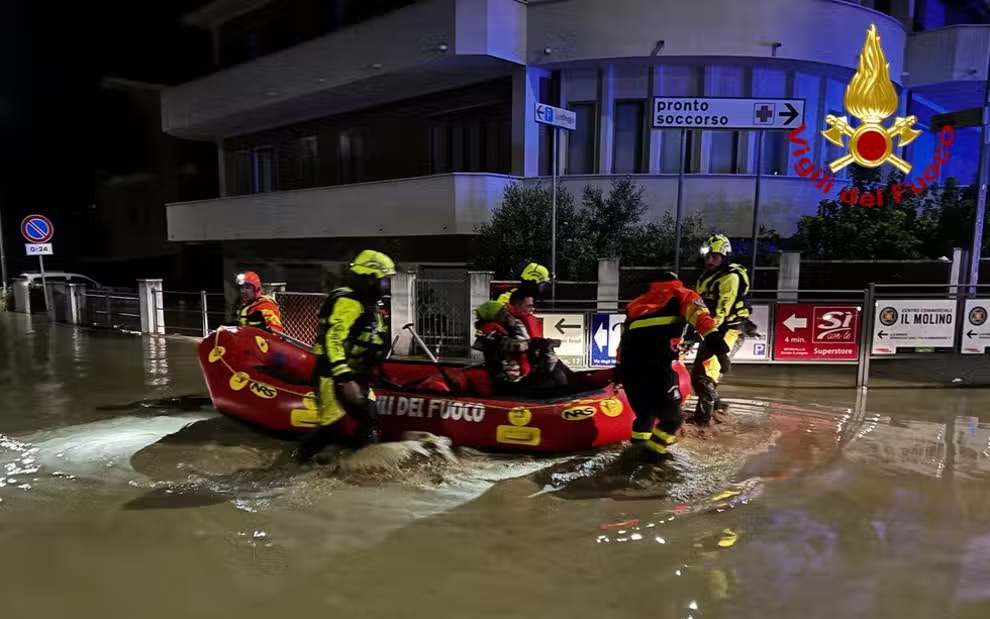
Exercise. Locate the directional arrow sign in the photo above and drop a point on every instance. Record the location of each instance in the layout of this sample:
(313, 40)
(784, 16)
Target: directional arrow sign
(793, 323)
(727, 113)
(601, 337)
(789, 114)
(882, 334)
(570, 330)
(971, 334)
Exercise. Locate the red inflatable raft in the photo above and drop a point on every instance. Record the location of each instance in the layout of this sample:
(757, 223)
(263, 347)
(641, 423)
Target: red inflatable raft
(263, 379)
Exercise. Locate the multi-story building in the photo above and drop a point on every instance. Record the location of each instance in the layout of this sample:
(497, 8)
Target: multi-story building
(340, 121)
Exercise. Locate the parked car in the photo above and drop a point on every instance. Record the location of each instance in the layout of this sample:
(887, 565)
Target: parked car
(34, 279)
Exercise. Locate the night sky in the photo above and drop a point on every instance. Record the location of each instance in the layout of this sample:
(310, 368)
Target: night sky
(52, 58)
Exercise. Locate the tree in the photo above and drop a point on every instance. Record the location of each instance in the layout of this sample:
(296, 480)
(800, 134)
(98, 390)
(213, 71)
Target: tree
(605, 226)
(842, 231)
(519, 232)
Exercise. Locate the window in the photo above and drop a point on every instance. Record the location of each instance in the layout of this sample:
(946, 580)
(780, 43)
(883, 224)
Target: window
(671, 156)
(833, 152)
(627, 157)
(243, 173)
(473, 139)
(350, 151)
(774, 152)
(582, 140)
(308, 161)
(263, 169)
(724, 154)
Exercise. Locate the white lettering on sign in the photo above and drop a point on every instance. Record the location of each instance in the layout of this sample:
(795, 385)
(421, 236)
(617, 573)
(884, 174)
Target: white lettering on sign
(835, 326)
(429, 408)
(913, 324)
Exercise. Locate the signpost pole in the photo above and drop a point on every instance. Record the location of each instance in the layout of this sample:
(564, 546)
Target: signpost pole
(981, 192)
(680, 203)
(553, 223)
(756, 201)
(3, 255)
(44, 283)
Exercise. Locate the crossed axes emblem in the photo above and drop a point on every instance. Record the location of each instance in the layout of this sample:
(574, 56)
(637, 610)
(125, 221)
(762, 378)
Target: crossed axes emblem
(902, 129)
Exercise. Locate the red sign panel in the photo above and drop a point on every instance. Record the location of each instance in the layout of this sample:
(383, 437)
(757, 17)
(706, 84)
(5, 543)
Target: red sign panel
(816, 332)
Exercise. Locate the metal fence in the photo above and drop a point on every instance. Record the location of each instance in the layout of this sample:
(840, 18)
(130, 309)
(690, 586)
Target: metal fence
(300, 313)
(574, 296)
(442, 315)
(118, 310)
(634, 281)
(194, 313)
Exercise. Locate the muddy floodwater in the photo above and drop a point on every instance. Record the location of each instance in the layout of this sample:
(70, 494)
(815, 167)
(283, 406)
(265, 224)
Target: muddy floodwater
(124, 495)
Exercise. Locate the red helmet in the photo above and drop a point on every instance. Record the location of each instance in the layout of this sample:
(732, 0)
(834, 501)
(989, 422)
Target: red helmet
(250, 279)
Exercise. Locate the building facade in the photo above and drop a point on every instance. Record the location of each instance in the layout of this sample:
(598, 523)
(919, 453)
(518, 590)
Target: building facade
(341, 122)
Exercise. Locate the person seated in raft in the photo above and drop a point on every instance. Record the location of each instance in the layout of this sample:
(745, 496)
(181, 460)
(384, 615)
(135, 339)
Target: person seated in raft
(505, 343)
(547, 369)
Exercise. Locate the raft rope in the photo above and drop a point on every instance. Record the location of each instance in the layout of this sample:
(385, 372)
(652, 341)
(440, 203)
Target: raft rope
(312, 396)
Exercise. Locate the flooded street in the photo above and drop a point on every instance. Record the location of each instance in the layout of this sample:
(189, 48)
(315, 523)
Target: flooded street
(120, 495)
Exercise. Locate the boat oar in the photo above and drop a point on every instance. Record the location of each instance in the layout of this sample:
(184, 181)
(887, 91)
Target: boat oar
(412, 330)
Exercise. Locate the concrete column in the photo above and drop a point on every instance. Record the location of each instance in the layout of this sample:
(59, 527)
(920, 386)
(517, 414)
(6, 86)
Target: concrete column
(479, 291)
(152, 304)
(222, 169)
(525, 129)
(788, 276)
(606, 110)
(654, 137)
(22, 296)
(608, 285)
(403, 311)
(956, 272)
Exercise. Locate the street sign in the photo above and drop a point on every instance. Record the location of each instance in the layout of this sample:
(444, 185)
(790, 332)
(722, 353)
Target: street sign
(37, 229)
(39, 249)
(569, 329)
(726, 113)
(606, 331)
(558, 117)
(816, 332)
(976, 327)
(915, 323)
(752, 349)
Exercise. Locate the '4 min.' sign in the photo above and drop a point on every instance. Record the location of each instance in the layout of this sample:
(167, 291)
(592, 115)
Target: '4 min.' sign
(817, 332)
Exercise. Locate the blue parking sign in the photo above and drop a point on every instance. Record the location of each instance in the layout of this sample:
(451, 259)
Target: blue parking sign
(605, 334)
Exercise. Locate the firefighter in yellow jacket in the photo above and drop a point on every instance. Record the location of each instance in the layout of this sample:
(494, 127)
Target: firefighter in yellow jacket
(352, 341)
(724, 288)
(535, 280)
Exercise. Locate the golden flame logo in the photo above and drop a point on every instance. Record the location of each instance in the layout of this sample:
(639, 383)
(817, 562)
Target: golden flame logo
(871, 98)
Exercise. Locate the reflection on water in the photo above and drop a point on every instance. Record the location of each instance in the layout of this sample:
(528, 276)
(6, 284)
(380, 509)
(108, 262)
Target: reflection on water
(857, 507)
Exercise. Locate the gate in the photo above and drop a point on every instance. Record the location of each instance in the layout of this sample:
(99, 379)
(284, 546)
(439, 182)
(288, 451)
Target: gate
(442, 312)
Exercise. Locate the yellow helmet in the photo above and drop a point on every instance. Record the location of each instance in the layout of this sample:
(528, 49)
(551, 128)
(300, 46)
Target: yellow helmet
(489, 311)
(536, 273)
(717, 244)
(374, 263)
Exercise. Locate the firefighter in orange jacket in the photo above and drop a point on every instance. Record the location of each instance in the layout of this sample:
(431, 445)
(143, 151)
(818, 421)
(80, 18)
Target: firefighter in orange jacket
(256, 309)
(651, 334)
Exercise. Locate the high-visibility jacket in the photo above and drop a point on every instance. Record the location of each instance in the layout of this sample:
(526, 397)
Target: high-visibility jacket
(262, 312)
(725, 292)
(654, 324)
(352, 339)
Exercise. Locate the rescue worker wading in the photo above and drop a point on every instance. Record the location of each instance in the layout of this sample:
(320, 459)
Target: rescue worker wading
(651, 335)
(724, 288)
(352, 341)
(256, 309)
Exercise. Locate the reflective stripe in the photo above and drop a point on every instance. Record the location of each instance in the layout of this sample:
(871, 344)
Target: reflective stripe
(656, 321)
(657, 447)
(669, 439)
(641, 436)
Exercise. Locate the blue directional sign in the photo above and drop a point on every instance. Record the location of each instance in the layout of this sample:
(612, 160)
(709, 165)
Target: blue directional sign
(556, 116)
(37, 229)
(606, 330)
